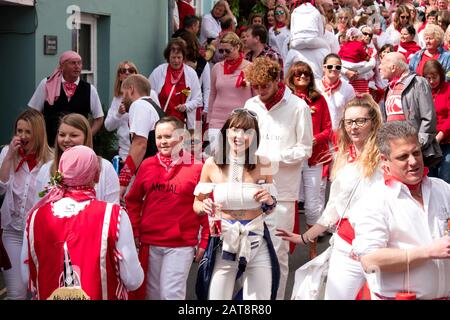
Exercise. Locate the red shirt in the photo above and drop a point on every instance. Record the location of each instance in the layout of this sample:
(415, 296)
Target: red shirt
(425, 58)
(353, 51)
(83, 234)
(178, 97)
(160, 204)
(441, 98)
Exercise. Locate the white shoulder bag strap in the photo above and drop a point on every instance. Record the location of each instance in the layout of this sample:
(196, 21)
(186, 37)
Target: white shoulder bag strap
(348, 203)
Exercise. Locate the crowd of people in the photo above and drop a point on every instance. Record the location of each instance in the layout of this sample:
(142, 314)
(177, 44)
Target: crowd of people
(245, 120)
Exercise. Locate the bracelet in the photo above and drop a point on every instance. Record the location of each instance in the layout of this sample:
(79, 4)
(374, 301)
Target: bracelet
(303, 239)
(269, 207)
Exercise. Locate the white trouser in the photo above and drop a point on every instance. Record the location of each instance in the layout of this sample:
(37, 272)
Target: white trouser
(257, 278)
(310, 184)
(15, 286)
(213, 138)
(169, 270)
(283, 216)
(345, 275)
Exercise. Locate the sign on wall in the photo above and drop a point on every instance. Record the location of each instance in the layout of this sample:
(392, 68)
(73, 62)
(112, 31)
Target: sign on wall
(50, 45)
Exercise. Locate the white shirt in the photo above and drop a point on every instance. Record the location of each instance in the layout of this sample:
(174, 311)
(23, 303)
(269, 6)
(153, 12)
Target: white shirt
(38, 99)
(390, 218)
(19, 191)
(131, 272)
(279, 41)
(286, 139)
(107, 189)
(210, 28)
(115, 120)
(143, 117)
(337, 101)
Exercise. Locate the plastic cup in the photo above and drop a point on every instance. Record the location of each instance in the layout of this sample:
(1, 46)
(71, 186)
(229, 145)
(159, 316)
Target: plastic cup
(215, 221)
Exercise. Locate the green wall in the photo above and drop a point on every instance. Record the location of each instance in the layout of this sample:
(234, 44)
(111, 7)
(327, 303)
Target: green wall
(133, 30)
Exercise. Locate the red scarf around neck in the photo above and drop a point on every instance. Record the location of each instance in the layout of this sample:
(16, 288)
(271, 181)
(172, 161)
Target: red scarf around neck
(328, 88)
(301, 94)
(175, 75)
(80, 193)
(388, 179)
(229, 67)
(352, 157)
(30, 159)
(411, 47)
(276, 97)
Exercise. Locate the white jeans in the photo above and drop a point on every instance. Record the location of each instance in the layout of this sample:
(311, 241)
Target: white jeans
(310, 185)
(283, 216)
(257, 281)
(15, 286)
(168, 272)
(345, 275)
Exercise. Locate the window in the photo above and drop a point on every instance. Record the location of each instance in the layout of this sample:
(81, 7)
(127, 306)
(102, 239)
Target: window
(86, 45)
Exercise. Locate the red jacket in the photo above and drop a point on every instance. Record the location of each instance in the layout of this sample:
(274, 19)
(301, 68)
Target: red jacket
(442, 104)
(160, 204)
(321, 122)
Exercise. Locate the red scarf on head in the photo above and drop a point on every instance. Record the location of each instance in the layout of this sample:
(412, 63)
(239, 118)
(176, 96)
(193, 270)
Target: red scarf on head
(388, 179)
(175, 75)
(328, 88)
(303, 96)
(229, 67)
(30, 159)
(276, 97)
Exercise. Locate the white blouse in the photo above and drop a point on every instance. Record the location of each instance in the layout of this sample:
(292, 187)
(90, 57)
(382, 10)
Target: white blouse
(19, 191)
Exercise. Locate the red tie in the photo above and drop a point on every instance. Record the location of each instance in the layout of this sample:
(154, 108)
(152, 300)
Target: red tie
(29, 158)
(70, 88)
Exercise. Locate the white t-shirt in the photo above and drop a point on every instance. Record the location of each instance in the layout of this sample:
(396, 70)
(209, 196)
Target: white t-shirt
(38, 99)
(143, 117)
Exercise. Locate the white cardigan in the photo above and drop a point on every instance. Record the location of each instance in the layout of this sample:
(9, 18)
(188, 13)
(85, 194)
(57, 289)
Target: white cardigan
(158, 77)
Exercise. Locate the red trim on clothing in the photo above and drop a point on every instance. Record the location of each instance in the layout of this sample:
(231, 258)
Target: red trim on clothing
(276, 97)
(30, 159)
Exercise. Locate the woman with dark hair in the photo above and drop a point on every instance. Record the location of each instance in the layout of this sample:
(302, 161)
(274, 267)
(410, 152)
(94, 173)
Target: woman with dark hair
(177, 84)
(300, 80)
(407, 45)
(241, 185)
(440, 89)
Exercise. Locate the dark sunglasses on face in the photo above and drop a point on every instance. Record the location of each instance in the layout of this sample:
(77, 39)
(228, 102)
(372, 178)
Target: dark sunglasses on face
(368, 34)
(129, 70)
(337, 67)
(299, 73)
(222, 51)
(246, 111)
(404, 17)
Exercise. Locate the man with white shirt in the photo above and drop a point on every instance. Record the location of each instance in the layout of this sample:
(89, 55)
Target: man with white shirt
(64, 92)
(286, 140)
(401, 227)
(143, 115)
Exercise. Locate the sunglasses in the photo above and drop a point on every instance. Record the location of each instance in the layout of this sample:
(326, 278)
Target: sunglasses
(299, 73)
(368, 34)
(337, 67)
(246, 111)
(279, 12)
(129, 70)
(404, 17)
(360, 122)
(227, 51)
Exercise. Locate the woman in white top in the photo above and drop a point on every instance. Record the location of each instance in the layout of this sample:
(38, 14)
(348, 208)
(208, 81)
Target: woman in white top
(20, 162)
(279, 34)
(117, 117)
(241, 184)
(355, 171)
(211, 21)
(74, 130)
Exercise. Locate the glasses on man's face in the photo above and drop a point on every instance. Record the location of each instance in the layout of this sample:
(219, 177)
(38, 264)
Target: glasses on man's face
(337, 67)
(368, 34)
(227, 51)
(246, 111)
(360, 122)
(300, 73)
(129, 70)
(279, 12)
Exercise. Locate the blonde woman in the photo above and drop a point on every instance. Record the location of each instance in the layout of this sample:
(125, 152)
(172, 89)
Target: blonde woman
(355, 171)
(20, 163)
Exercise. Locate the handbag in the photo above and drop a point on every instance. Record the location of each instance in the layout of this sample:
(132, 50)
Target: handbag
(206, 267)
(311, 278)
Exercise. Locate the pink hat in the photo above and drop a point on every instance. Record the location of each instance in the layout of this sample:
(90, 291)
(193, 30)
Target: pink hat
(353, 32)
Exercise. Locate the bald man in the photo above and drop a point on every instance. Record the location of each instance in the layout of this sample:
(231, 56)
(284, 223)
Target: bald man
(408, 98)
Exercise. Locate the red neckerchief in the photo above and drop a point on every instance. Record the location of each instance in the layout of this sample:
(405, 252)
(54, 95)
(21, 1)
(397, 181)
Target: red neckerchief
(352, 157)
(388, 179)
(69, 88)
(411, 47)
(303, 96)
(175, 75)
(230, 66)
(278, 26)
(329, 88)
(80, 193)
(240, 81)
(168, 162)
(396, 80)
(30, 159)
(276, 97)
